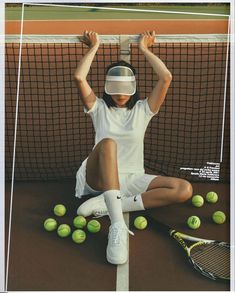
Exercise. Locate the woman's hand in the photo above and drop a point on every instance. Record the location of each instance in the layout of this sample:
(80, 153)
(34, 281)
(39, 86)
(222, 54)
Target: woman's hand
(147, 39)
(91, 39)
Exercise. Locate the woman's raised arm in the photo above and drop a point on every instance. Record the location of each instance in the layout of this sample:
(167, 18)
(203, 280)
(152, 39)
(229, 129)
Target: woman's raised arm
(91, 39)
(157, 96)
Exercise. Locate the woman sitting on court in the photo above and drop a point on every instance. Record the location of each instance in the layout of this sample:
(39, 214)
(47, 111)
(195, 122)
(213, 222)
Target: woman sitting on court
(114, 171)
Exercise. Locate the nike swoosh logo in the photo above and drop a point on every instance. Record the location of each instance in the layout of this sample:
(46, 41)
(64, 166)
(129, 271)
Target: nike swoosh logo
(118, 197)
(135, 198)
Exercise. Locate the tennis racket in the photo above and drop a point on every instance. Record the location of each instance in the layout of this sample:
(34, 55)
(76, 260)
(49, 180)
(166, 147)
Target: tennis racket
(209, 257)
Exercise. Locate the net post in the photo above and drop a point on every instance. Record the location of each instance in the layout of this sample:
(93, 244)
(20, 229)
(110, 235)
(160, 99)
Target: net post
(124, 48)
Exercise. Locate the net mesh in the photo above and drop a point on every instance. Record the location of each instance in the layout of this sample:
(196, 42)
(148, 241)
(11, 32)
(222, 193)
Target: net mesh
(188, 130)
(54, 136)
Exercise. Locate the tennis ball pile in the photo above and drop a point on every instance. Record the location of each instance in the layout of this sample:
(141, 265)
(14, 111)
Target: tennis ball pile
(64, 230)
(140, 222)
(212, 197)
(78, 234)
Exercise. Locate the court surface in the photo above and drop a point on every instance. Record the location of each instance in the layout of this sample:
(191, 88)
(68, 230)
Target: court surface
(41, 261)
(119, 26)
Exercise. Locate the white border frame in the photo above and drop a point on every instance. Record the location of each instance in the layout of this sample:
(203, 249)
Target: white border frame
(2, 149)
(232, 147)
(2, 113)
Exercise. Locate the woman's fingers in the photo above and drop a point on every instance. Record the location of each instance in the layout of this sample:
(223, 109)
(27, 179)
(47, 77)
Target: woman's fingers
(90, 38)
(88, 34)
(147, 39)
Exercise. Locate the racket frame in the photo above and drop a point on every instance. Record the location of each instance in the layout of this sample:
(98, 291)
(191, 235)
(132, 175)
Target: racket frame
(180, 237)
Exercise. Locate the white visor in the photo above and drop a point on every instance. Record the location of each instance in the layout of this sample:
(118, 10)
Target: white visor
(120, 80)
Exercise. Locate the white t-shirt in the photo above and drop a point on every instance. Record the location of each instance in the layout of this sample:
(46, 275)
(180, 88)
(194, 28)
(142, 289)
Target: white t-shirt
(127, 128)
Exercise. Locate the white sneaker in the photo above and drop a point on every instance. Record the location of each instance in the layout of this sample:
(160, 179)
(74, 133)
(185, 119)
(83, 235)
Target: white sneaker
(94, 206)
(117, 249)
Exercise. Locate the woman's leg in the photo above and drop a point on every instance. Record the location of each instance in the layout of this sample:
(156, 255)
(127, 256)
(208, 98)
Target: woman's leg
(161, 191)
(102, 175)
(101, 168)
(166, 190)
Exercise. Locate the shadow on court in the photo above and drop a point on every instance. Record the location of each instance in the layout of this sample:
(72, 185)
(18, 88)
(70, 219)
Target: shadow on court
(41, 261)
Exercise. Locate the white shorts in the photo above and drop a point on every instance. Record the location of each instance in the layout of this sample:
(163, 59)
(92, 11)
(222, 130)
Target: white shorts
(130, 183)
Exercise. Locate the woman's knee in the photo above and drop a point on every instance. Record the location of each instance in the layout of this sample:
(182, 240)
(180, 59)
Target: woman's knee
(184, 190)
(107, 146)
(103, 151)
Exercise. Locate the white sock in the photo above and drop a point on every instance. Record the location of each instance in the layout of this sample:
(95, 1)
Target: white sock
(133, 203)
(113, 202)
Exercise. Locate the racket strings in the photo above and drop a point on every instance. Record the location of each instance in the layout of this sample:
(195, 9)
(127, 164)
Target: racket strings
(213, 258)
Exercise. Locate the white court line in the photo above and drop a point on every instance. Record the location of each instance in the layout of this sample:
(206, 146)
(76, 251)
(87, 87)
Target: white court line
(2, 150)
(122, 276)
(119, 19)
(225, 92)
(14, 150)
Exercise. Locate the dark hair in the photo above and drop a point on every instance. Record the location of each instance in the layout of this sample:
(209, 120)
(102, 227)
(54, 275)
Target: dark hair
(134, 98)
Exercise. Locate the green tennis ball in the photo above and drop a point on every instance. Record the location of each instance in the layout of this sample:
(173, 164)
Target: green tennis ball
(193, 222)
(219, 217)
(212, 197)
(50, 224)
(140, 223)
(79, 236)
(63, 230)
(197, 201)
(79, 222)
(93, 226)
(59, 210)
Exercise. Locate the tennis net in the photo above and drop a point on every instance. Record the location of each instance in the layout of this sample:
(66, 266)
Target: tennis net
(189, 138)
